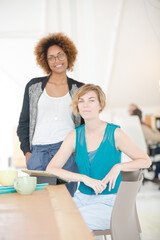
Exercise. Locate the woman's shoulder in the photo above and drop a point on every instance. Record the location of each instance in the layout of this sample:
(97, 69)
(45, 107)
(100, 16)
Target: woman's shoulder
(112, 125)
(37, 80)
(80, 127)
(73, 81)
(80, 130)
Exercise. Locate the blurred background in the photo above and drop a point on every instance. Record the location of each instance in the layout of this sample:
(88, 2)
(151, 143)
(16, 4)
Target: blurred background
(118, 44)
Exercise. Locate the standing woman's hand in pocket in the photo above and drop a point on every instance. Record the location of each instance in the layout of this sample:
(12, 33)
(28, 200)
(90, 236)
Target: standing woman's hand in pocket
(28, 155)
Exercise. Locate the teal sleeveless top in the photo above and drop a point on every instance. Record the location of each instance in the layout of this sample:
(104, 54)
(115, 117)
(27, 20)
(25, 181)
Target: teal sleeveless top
(105, 158)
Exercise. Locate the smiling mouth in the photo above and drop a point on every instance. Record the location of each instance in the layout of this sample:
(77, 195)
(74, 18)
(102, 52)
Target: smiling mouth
(58, 66)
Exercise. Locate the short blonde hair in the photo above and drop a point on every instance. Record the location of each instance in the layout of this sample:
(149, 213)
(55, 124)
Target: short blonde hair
(85, 89)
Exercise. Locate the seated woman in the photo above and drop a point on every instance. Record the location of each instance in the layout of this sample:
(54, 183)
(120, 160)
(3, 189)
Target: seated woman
(98, 146)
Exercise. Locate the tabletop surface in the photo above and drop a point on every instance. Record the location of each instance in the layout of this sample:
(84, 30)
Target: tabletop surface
(48, 214)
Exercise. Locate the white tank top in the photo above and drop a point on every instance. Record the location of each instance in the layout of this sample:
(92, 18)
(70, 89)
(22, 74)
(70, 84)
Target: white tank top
(54, 119)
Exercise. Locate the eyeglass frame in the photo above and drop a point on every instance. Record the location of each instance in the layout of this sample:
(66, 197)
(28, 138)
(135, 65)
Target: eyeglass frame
(53, 59)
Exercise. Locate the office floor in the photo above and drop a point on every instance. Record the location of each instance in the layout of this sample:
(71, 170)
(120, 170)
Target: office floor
(148, 206)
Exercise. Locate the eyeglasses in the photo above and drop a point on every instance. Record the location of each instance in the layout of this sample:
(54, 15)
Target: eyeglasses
(60, 57)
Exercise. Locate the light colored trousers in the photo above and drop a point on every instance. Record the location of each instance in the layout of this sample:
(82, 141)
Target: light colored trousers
(95, 210)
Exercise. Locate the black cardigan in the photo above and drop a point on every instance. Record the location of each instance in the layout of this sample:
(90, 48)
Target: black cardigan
(28, 116)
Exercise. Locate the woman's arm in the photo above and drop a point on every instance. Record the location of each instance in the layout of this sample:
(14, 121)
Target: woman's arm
(125, 144)
(23, 125)
(61, 157)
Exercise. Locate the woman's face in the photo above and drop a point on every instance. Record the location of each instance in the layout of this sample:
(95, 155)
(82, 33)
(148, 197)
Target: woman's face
(89, 106)
(57, 59)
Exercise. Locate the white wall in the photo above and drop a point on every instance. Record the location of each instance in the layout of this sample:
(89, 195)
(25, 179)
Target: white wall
(118, 43)
(136, 72)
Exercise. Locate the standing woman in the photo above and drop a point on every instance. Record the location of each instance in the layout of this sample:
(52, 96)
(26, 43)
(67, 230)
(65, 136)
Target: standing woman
(46, 117)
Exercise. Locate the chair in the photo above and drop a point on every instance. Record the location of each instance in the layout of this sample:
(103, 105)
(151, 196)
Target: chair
(124, 223)
(154, 153)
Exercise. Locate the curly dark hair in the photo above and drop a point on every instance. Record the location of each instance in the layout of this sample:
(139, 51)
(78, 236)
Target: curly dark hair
(60, 40)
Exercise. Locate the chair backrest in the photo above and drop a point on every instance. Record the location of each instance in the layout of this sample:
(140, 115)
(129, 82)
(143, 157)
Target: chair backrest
(132, 176)
(124, 220)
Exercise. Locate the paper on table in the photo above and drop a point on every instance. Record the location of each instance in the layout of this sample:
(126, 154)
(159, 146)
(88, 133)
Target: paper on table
(43, 174)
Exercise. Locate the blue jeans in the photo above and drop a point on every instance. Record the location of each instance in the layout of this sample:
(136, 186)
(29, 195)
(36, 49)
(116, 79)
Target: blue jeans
(42, 155)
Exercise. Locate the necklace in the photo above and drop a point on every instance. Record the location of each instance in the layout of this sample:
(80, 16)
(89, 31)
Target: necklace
(56, 113)
(55, 105)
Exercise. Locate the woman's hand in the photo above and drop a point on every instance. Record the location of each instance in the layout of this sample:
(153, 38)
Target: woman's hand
(111, 177)
(97, 185)
(28, 155)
